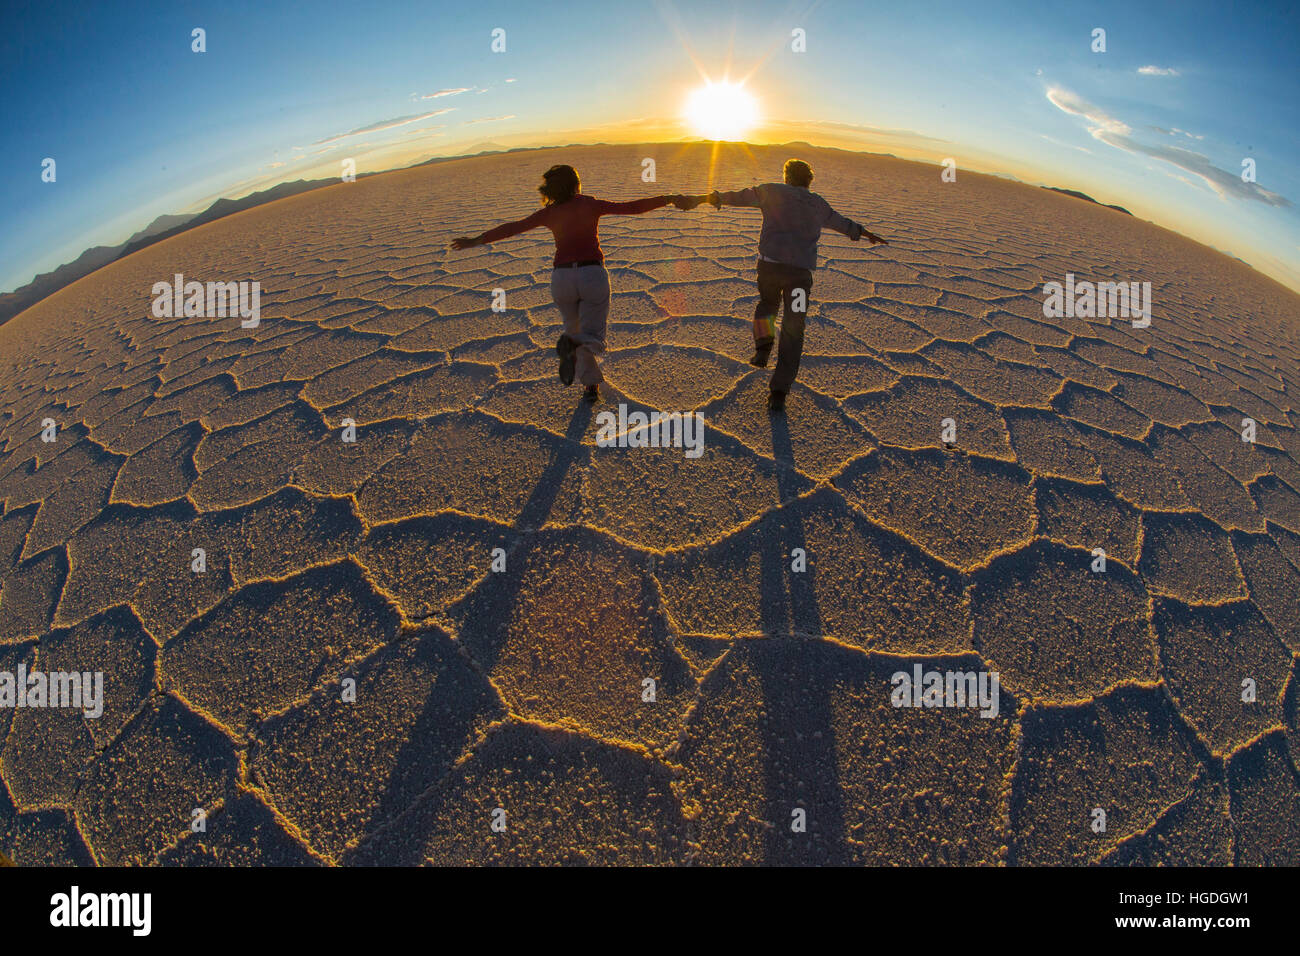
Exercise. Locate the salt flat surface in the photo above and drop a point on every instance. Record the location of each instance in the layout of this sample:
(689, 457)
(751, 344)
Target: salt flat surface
(523, 689)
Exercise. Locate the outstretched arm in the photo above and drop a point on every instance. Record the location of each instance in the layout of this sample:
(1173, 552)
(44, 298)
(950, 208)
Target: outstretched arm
(739, 197)
(503, 231)
(848, 227)
(633, 207)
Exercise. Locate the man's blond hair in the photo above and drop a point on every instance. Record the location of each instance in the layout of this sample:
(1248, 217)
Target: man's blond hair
(797, 173)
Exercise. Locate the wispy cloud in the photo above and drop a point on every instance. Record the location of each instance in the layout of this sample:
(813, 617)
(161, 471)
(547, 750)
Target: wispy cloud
(861, 129)
(1053, 139)
(1175, 131)
(1157, 71)
(437, 93)
(383, 125)
(489, 119)
(1116, 133)
(1101, 122)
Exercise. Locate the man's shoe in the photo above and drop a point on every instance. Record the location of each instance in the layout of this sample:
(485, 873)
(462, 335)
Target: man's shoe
(591, 394)
(776, 401)
(760, 357)
(567, 350)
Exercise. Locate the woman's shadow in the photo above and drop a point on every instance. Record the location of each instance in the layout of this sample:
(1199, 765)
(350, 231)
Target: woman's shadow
(492, 601)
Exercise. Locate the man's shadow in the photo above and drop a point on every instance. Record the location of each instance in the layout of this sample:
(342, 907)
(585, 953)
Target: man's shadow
(801, 769)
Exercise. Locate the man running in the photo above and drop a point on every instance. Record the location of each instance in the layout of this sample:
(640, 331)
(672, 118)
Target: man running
(793, 219)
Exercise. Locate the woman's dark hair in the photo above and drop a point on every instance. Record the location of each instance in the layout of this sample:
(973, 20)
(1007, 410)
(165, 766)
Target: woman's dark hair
(559, 184)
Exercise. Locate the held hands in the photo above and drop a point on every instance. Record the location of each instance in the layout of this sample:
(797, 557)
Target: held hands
(873, 238)
(690, 202)
(466, 242)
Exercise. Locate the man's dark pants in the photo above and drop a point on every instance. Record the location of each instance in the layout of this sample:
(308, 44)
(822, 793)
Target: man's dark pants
(777, 283)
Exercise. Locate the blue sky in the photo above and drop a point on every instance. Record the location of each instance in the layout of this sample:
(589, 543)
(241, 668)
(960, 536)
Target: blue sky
(140, 125)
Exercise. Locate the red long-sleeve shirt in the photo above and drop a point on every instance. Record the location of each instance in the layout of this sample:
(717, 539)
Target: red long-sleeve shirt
(575, 225)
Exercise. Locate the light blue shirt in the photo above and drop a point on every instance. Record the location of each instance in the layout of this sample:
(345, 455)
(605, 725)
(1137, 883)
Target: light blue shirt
(793, 219)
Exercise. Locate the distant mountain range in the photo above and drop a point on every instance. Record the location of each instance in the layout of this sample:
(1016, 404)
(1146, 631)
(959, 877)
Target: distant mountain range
(47, 283)
(11, 303)
(164, 227)
(1078, 195)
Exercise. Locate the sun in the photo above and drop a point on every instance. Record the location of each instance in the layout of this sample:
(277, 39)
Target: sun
(722, 111)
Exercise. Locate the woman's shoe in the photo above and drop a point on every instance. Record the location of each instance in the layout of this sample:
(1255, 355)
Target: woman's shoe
(591, 394)
(567, 348)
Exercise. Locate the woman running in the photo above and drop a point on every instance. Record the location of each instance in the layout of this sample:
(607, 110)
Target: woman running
(579, 282)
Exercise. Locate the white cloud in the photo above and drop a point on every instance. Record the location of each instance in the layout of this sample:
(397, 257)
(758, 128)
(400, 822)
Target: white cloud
(1067, 102)
(437, 93)
(862, 129)
(383, 125)
(490, 119)
(1157, 71)
(1175, 131)
(1116, 133)
(1052, 139)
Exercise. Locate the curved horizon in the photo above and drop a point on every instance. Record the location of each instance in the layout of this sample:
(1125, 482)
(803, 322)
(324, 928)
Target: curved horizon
(1160, 123)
